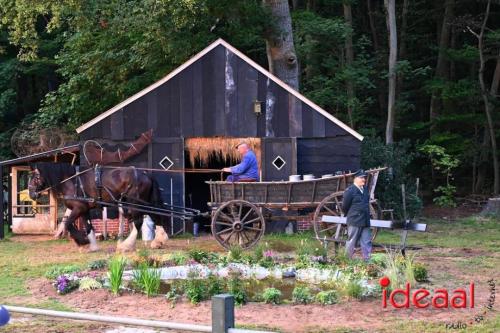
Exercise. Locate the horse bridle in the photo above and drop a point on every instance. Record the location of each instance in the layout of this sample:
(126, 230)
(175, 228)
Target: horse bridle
(35, 177)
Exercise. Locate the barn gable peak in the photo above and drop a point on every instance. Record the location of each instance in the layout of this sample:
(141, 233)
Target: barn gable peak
(201, 54)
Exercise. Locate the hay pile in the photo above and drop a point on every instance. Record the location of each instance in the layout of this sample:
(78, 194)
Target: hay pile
(203, 149)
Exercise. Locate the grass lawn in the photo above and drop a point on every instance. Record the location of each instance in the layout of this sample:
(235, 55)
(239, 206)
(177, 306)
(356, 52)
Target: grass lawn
(465, 247)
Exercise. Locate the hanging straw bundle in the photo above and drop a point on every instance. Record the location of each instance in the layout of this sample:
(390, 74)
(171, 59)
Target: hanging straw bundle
(203, 149)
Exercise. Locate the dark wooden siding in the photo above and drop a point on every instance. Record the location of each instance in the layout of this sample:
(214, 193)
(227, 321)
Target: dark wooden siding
(215, 97)
(320, 156)
(273, 148)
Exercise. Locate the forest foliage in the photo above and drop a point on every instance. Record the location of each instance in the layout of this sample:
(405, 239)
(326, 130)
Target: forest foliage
(64, 62)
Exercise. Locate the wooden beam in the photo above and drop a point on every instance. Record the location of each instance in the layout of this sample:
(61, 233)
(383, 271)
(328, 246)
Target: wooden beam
(343, 220)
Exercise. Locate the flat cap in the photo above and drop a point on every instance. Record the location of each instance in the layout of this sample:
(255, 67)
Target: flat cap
(360, 173)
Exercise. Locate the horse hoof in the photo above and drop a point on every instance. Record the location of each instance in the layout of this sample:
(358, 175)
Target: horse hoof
(120, 248)
(93, 249)
(156, 245)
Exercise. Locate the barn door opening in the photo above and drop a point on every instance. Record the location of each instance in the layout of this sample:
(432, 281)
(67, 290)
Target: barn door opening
(168, 154)
(206, 156)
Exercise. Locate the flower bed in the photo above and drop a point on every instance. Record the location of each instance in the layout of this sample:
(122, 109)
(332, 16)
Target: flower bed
(259, 276)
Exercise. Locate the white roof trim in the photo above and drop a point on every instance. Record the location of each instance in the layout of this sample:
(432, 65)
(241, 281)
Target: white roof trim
(246, 59)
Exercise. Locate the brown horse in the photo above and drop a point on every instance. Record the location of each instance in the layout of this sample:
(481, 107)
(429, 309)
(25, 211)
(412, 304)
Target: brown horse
(79, 190)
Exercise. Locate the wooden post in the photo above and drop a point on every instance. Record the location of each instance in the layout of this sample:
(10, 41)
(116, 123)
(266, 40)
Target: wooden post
(222, 313)
(404, 235)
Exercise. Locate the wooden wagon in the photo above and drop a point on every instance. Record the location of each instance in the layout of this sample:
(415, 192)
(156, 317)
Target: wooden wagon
(240, 210)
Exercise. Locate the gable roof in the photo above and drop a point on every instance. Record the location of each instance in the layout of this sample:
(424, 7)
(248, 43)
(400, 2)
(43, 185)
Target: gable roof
(252, 63)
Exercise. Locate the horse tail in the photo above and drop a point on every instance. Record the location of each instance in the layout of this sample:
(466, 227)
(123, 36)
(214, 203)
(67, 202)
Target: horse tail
(155, 194)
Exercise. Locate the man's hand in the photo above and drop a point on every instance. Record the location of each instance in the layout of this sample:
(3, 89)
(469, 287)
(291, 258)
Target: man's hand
(226, 169)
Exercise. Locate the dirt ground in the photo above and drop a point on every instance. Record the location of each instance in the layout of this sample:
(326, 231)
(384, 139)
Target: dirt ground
(367, 314)
(448, 268)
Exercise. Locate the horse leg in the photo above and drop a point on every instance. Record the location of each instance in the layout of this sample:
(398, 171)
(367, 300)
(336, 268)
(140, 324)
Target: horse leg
(128, 244)
(91, 235)
(62, 226)
(161, 237)
(78, 236)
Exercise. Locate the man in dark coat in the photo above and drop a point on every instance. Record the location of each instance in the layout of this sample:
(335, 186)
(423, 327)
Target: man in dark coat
(356, 207)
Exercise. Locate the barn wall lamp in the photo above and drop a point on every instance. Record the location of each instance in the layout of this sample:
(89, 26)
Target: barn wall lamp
(257, 107)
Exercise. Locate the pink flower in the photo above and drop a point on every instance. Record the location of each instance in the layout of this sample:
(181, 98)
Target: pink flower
(268, 254)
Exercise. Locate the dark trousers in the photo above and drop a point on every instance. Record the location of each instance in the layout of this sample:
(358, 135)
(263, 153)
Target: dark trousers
(359, 236)
(236, 178)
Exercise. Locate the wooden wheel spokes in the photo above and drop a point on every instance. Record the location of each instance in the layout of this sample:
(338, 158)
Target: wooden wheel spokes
(238, 223)
(331, 205)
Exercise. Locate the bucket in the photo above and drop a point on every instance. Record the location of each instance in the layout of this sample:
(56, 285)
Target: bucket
(294, 178)
(309, 177)
(327, 176)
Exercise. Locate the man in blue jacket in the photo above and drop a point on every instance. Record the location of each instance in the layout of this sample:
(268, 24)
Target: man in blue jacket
(356, 207)
(248, 169)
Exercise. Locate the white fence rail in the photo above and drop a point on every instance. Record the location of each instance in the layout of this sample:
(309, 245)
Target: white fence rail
(222, 318)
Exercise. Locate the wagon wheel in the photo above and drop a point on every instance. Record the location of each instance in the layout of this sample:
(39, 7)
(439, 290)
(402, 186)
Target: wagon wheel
(331, 205)
(238, 222)
(376, 215)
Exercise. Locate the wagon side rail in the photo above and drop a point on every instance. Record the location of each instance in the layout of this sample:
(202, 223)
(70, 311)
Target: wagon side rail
(279, 194)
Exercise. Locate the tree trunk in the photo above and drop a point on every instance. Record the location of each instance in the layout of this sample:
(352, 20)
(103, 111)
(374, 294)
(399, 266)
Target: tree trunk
(279, 44)
(492, 208)
(402, 42)
(390, 6)
(442, 63)
(376, 47)
(373, 27)
(349, 59)
(488, 107)
(404, 28)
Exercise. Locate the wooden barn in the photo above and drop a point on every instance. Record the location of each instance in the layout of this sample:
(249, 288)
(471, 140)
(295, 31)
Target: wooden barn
(198, 112)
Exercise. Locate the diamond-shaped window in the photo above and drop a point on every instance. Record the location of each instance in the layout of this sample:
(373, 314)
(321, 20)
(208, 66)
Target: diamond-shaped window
(279, 162)
(166, 163)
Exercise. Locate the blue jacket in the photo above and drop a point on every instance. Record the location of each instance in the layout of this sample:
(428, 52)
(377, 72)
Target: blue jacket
(356, 206)
(248, 168)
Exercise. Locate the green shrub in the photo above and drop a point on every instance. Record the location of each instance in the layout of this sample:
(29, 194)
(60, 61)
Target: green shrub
(235, 253)
(354, 289)
(195, 290)
(116, 267)
(97, 264)
(214, 285)
(394, 269)
(302, 295)
(420, 272)
(236, 288)
(179, 258)
(444, 163)
(147, 279)
(398, 156)
(88, 283)
(55, 271)
(198, 255)
(258, 252)
(373, 270)
(378, 259)
(176, 291)
(272, 296)
(327, 297)
(409, 272)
